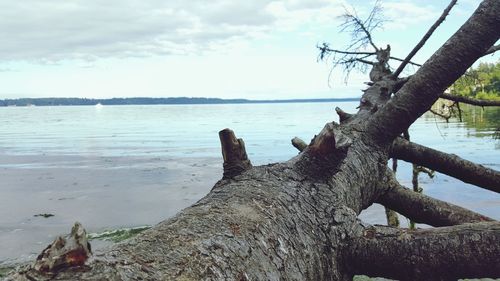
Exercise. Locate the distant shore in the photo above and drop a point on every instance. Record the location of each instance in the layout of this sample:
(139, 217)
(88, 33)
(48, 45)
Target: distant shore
(149, 101)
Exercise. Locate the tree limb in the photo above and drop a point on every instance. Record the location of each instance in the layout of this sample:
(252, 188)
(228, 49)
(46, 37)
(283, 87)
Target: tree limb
(470, 101)
(424, 209)
(365, 61)
(326, 49)
(492, 50)
(234, 154)
(353, 21)
(299, 144)
(447, 253)
(448, 164)
(446, 117)
(424, 39)
(468, 44)
(409, 62)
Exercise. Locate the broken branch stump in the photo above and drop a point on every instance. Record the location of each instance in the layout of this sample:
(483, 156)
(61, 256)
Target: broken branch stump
(235, 156)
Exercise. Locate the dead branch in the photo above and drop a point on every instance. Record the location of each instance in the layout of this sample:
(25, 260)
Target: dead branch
(424, 39)
(445, 253)
(361, 29)
(325, 49)
(299, 144)
(448, 164)
(361, 37)
(424, 209)
(410, 62)
(492, 50)
(446, 117)
(234, 154)
(470, 101)
(416, 96)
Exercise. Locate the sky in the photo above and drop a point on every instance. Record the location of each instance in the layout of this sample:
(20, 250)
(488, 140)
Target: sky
(259, 49)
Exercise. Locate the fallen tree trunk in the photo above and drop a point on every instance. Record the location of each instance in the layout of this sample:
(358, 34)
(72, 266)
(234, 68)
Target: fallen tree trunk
(297, 220)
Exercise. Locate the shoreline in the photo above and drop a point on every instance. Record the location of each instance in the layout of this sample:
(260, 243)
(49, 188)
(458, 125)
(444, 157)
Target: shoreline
(102, 193)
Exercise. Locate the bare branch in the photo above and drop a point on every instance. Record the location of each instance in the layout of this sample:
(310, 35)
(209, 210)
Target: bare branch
(424, 170)
(449, 164)
(424, 209)
(352, 21)
(424, 39)
(476, 36)
(326, 49)
(492, 50)
(446, 117)
(410, 62)
(299, 144)
(470, 101)
(445, 253)
(365, 61)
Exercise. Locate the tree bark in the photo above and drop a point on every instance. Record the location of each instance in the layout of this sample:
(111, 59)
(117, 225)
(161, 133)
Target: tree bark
(448, 164)
(297, 220)
(446, 253)
(234, 154)
(424, 209)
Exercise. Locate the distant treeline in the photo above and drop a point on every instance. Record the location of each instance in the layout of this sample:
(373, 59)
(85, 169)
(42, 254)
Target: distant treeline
(482, 82)
(146, 101)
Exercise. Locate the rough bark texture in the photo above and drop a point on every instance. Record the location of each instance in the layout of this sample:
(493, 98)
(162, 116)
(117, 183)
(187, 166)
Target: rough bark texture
(298, 220)
(449, 164)
(446, 253)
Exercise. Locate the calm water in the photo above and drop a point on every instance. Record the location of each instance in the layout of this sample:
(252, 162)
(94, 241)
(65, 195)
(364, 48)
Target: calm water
(119, 166)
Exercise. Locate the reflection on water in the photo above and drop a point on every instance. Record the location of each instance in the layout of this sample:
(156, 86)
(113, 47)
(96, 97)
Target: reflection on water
(124, 166)
(480, 121)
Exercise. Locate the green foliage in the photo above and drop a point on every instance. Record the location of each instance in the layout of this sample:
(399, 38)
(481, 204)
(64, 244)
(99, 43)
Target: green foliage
(482, 82)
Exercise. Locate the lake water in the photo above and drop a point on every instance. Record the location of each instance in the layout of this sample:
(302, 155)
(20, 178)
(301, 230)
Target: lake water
(125, 166)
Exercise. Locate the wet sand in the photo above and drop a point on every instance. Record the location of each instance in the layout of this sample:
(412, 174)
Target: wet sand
(100, 192)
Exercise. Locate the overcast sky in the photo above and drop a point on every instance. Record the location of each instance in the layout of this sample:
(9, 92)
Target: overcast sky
(259, 49)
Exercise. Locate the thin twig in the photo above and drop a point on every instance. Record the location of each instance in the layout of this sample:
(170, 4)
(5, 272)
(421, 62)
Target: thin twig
(446, 117)
(368, 35)
(410, 62)
(365, 61)
(325, 48)
(424, 39)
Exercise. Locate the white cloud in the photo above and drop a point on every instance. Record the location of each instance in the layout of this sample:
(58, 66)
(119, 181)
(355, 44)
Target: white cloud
(402, 15)
(51, 30)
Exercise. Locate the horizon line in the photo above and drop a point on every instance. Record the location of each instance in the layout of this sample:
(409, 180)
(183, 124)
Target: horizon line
(63, 101)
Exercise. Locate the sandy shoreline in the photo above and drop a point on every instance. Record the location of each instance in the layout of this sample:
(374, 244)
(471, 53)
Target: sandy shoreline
(100, 192)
